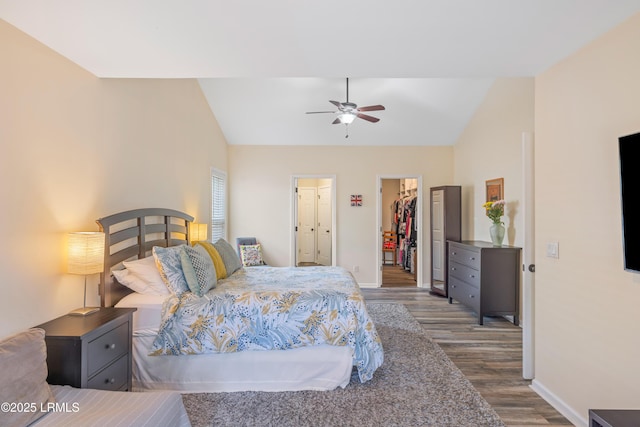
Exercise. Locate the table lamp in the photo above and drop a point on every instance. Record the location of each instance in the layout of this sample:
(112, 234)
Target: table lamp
(197, 232)
(86, 256)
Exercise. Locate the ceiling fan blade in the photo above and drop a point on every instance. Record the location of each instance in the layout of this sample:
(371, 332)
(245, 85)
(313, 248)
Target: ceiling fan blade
(336, 103)
(368, 118)
(319, 112)
(336, 121)
(372, 108)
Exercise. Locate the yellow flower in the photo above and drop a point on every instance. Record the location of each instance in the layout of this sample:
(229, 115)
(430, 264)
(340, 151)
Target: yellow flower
(495, 210)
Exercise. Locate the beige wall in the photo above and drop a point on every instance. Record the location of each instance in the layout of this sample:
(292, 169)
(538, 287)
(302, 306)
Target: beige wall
(75, 148)
(490, 147)
(587, 316)
(260, 194)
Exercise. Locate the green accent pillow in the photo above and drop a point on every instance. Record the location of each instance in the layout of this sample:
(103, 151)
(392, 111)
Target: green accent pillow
(198, 269)
(229, 256)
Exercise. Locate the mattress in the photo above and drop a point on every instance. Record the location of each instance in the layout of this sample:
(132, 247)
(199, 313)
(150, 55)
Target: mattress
(321, 367)
(86, 407)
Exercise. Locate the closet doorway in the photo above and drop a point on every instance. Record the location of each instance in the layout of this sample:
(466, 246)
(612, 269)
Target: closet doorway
(314, 220)
(400, 214)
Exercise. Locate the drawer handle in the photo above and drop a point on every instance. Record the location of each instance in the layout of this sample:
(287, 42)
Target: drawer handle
(453, 286)
(454, 253)
(471, 296)
(472, 258)
(110, 381)
(110, 346)
(472, 276)
(453, 269)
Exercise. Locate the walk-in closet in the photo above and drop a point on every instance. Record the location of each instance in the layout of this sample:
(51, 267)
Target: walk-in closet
(399, 232)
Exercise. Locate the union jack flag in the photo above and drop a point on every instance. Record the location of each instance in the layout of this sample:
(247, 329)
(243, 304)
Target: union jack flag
(356, 200)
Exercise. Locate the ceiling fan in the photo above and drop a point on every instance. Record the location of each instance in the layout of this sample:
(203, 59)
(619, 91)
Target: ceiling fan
(348, 111)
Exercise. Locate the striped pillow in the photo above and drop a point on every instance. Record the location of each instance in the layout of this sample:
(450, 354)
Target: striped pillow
(221, 271)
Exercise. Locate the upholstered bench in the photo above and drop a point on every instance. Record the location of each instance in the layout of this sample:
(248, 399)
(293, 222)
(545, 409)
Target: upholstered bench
(27, 398)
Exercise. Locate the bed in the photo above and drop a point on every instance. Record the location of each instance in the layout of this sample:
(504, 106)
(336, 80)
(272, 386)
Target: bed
(259, 329)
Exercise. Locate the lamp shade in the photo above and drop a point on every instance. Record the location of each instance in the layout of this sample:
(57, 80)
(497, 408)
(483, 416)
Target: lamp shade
(197, 232)
(86, 253)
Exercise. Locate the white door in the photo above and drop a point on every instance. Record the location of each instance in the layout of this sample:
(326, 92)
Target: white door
(324, 225)
(306, 224)
(437, 229)
(528, 257)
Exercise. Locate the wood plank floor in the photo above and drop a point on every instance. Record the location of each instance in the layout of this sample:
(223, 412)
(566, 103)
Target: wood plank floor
(490, 355)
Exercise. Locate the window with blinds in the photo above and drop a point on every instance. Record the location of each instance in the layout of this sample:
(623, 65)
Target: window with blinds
(218, 205)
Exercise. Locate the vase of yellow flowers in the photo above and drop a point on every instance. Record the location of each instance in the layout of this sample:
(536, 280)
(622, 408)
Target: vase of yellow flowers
(495, 210)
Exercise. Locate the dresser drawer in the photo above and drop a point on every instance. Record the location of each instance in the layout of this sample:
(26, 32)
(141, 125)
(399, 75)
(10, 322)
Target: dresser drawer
(465, 294)
(113, 377)
(464, 256)
(467, 274)
(107, 348)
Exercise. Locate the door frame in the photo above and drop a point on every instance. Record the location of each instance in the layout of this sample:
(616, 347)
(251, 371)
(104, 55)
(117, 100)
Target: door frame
(528, 256)
(293, 219)
(419, 246)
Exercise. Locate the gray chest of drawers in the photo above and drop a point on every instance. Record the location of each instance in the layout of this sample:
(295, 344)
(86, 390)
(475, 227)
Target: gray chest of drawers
(92, 351)
(485, 278)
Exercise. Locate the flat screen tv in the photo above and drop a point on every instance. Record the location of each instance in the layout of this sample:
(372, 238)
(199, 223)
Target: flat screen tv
(630, 195)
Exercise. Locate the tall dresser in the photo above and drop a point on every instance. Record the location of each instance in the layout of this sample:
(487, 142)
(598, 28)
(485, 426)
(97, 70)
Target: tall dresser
(485, 278)
(446, 224)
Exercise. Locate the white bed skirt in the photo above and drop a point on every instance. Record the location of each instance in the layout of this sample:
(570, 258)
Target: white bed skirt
(308, 368)
(321, 367)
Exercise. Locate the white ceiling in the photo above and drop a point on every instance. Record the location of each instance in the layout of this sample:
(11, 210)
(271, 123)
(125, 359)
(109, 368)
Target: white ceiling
(263, 63)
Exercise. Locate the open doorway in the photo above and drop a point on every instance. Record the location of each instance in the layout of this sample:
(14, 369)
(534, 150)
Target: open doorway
(313, 213)
(399, 229)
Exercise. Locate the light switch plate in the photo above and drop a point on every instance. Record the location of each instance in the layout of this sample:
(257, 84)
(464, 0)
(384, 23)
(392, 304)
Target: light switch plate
(553, 250)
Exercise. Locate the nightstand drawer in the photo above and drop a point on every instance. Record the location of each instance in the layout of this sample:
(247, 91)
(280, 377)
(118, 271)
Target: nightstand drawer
(469, 275)
(464, 256)
(107, 348)
(114, 377)
(467, 295)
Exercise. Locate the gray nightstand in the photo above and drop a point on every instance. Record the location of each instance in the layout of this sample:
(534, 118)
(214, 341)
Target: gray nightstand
(91, 351)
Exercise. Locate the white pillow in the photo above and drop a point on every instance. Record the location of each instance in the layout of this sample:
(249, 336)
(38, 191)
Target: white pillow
(142, 276)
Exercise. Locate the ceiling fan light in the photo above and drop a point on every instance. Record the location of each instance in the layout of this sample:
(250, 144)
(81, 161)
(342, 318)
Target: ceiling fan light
(347, 118)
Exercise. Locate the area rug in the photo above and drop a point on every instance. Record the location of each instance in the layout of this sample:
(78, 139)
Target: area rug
(416, 386)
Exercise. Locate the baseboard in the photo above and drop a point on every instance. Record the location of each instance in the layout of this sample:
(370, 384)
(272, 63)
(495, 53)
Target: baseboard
(560, 406)
(373, 285)
(368, 285)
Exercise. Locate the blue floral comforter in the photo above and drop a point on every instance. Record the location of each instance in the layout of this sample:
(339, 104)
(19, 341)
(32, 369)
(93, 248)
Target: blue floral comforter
(268, 308)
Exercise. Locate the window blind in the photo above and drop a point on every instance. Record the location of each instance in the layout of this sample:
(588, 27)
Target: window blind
(218, 205)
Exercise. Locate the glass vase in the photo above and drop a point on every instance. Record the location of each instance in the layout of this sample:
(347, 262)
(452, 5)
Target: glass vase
(497, 234)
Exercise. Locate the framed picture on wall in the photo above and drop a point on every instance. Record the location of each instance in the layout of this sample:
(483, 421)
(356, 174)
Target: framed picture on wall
(495, 189)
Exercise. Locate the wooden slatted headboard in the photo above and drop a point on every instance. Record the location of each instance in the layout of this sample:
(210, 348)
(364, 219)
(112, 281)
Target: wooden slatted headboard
(132, 235)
